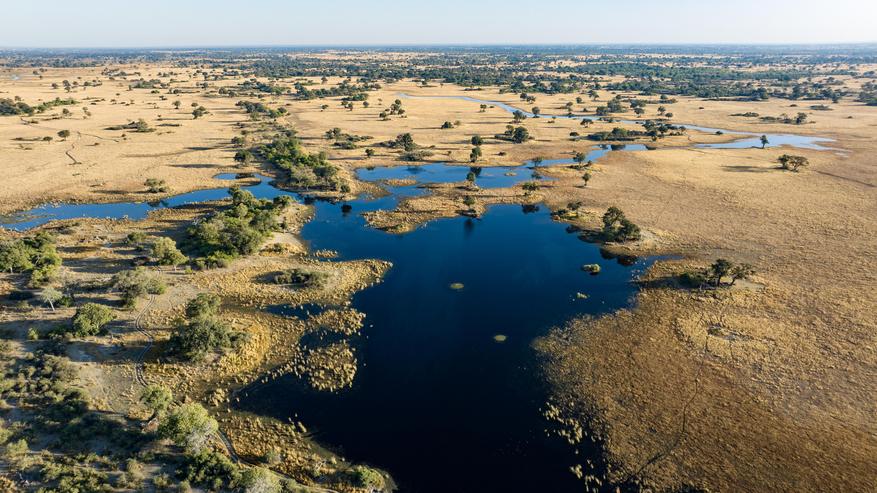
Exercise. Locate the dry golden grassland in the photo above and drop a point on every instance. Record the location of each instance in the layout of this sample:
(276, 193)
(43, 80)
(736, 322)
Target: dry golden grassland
(775, 383)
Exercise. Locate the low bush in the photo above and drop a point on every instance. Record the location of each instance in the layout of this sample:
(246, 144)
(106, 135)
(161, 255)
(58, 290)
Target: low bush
(301, 277)
(691, 279)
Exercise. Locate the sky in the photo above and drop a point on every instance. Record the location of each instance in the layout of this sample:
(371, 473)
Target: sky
(214, 23)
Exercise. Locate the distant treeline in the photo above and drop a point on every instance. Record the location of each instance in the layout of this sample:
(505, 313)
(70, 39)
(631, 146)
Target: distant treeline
(17, 107)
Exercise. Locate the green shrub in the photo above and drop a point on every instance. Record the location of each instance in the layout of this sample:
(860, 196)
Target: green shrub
(272, 457)
(301, 277)
(692, 279)
(161, 481)
(364, 477)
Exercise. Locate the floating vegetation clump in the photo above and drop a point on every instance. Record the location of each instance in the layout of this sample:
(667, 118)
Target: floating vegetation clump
(457, 285)
(499, 338)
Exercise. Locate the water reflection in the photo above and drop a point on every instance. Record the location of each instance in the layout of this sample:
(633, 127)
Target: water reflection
(623, 260)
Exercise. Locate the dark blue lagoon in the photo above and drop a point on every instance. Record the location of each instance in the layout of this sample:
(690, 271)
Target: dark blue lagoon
(437, 400)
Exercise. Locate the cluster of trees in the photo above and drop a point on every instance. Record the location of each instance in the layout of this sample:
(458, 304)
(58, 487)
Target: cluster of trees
(868, 95)
(141, 126)
(345, 141)
(260, 108)
(303, 168)
(155, 185)
(17, 107)
(36, 255)
(238, 230)
(413, 151)
(612, 106)
(514, 134)
(201, 330)
(344, 89)
(713, 275)
(616, 227)
(799, 119)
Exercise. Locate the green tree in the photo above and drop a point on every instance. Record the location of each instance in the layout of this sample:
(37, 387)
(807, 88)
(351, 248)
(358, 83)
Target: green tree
(535, 110)
(720, 269)
(136, 283)
(520, 135)
(764, 141)
(470, 177)
(135, 238)
(259, 480)
(792, 163)
(618, 227)
(90, 318)
(238, 142)
(519, 116)
(188, 426)
(579, 157)
(157, 398)
(64, 134)
(50, 295)
(476, 153)
(477, 141)
(15, 256)
(530, 187)
(406, 141)
(165, 251)
(587, 178)
(177, 104)
(741, 271)
(575, 206)
(203, 330)
(469, 201)
(16, 450)
(243, 158)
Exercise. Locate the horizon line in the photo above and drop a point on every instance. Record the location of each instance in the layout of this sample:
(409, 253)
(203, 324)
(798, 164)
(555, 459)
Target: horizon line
(441, 45)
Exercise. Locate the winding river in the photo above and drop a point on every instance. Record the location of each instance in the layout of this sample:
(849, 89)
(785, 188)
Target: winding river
(438, 400)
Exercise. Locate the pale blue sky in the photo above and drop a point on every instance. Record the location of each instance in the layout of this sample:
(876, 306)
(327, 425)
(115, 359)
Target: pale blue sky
(154, 23)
